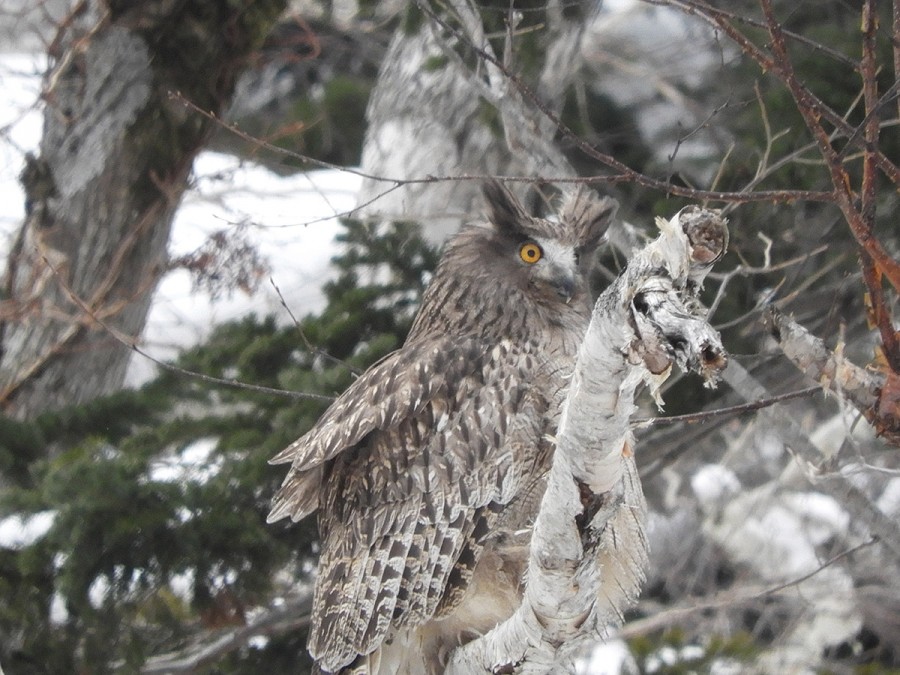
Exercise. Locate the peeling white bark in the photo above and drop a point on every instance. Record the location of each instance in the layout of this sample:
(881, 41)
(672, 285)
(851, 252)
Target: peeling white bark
(588, 549)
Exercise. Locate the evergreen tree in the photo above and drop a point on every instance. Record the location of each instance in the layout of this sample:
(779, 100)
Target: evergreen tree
(159, 496)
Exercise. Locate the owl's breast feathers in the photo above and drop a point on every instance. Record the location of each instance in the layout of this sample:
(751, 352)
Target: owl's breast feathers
(411, 468)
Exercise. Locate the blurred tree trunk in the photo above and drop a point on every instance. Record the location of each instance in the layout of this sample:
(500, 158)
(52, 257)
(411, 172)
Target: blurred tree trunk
(114, 160)
(437, 111)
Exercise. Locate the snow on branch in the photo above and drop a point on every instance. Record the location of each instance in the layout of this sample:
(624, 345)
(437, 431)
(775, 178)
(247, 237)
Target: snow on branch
(588, 549)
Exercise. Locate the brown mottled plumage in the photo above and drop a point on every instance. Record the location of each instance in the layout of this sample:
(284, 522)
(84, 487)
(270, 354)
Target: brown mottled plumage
(427, 469)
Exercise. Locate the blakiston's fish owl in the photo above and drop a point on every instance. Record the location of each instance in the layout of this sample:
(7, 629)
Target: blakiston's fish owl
(428, 470)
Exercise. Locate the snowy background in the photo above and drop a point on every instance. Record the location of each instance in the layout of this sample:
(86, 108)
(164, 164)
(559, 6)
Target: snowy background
(774, 531)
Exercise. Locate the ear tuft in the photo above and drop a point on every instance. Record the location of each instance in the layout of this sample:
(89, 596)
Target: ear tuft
(504, 210)
(589, 213)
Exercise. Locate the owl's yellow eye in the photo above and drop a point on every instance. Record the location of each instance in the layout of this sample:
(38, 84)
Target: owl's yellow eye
(530, 252)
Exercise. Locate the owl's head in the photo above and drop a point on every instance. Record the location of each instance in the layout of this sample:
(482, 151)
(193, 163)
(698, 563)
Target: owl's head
(549, 259)
(515, 273)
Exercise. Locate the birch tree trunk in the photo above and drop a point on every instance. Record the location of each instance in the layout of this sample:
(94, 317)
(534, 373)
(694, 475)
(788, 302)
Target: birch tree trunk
(114, 160)
(588, 547)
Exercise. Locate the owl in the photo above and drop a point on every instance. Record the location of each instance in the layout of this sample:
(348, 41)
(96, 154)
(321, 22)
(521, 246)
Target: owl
(428, 470)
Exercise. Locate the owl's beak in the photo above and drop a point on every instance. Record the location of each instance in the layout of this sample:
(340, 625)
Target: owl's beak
(564, 283)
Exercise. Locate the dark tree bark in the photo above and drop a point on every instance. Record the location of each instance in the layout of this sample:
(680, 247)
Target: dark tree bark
(114, 160)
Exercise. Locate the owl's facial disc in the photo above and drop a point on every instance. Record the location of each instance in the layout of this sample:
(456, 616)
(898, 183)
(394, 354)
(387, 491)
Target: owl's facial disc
(555, 275)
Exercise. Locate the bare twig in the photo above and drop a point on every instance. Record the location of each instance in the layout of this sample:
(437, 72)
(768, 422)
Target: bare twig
(744, 270)
(724, 412)
(131, 343)
(310, 347)
(852, 498)
(726, 599)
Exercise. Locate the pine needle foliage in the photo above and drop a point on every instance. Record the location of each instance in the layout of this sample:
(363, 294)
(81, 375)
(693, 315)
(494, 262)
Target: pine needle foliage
(159, 495)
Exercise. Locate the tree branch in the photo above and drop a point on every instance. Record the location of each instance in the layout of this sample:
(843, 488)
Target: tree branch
(896, 45)
(744, 595)
(834, 484)
(291, 615)
(623, 173)
(871, 393)
(588, 549)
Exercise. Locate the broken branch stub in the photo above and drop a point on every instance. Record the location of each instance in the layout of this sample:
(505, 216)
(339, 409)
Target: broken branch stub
(663, 282)
(875, 394)
(588, 550)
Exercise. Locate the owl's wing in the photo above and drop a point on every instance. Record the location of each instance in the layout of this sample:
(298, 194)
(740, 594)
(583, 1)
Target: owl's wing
(396, 388)
(407, 510)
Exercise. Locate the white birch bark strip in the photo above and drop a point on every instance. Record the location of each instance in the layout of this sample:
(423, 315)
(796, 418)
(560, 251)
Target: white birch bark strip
(588, 549)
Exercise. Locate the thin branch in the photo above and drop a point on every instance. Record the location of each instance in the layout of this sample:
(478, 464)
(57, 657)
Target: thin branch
(625, 173)
(878, 304)
(726, 599)
(872, 114)
(131, 343)
(745, 270)
(707, 415)
(292, 615)
(310, 347)
(895, 43)
(396, 181)
(226, 382)
(702, 125)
